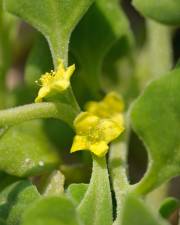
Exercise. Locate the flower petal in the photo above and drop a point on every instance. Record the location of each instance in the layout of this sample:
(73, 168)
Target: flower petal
(70, 70)
(84, 122)
(110, 129)
(115, 102)
(43, 91)
(55, 81)
(79, 143)
(99, 148)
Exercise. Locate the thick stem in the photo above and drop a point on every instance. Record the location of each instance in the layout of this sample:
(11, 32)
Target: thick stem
(118, 169)
(117, 163)
(159, 48)
(96, 206)
(20, 114)
(59, 49)
(155, 58)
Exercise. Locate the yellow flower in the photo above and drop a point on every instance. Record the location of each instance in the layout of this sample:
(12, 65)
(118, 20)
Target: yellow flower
(94, 133)
(58, 80)
(110, 107)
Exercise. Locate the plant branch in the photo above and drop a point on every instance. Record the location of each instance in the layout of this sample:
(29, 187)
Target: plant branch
(13, 116)
(117, 163)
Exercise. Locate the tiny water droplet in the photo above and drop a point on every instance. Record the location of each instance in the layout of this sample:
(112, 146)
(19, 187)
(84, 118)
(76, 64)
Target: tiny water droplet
(41, 163)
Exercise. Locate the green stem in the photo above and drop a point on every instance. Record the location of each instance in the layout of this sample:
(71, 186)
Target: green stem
(96, 206)
(59, 49)
(20, 114)
(159, 48)
(155, 58)
(117, 163)
(118, 169)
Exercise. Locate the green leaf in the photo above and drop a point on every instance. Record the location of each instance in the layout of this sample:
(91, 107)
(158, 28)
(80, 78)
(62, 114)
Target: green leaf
(25, 150)
(96, 206)
(109, 20)
(55, 19)
(155, 118)
(15, 199)
(168, 206)
(51, 211)
(136, 212)
(165, 11)
(76, 192)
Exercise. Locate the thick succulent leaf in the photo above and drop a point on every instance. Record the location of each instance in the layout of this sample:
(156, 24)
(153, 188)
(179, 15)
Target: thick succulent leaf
(111, 24)
(51, 211)
(15, 199)
(168, 206)
(76, 192)
(136, 212)
(155, 118)
(165, 11)
(55, 19)
(25, 150)
(96, 206)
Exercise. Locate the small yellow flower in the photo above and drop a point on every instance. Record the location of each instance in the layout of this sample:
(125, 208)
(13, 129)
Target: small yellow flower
(110, 107)
(94, 133)
(58, 80)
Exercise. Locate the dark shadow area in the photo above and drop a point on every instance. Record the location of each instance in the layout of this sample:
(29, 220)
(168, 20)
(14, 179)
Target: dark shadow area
(137, 159)
(137, 22)
(176, 45)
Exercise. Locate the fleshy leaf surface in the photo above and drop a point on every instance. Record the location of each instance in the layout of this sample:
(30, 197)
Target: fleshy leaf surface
(155, 118)
(25, 150)
(55, 19)
(15, 199)
(164, 11)
(136, 212)
(51, 211)
(76, 192)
